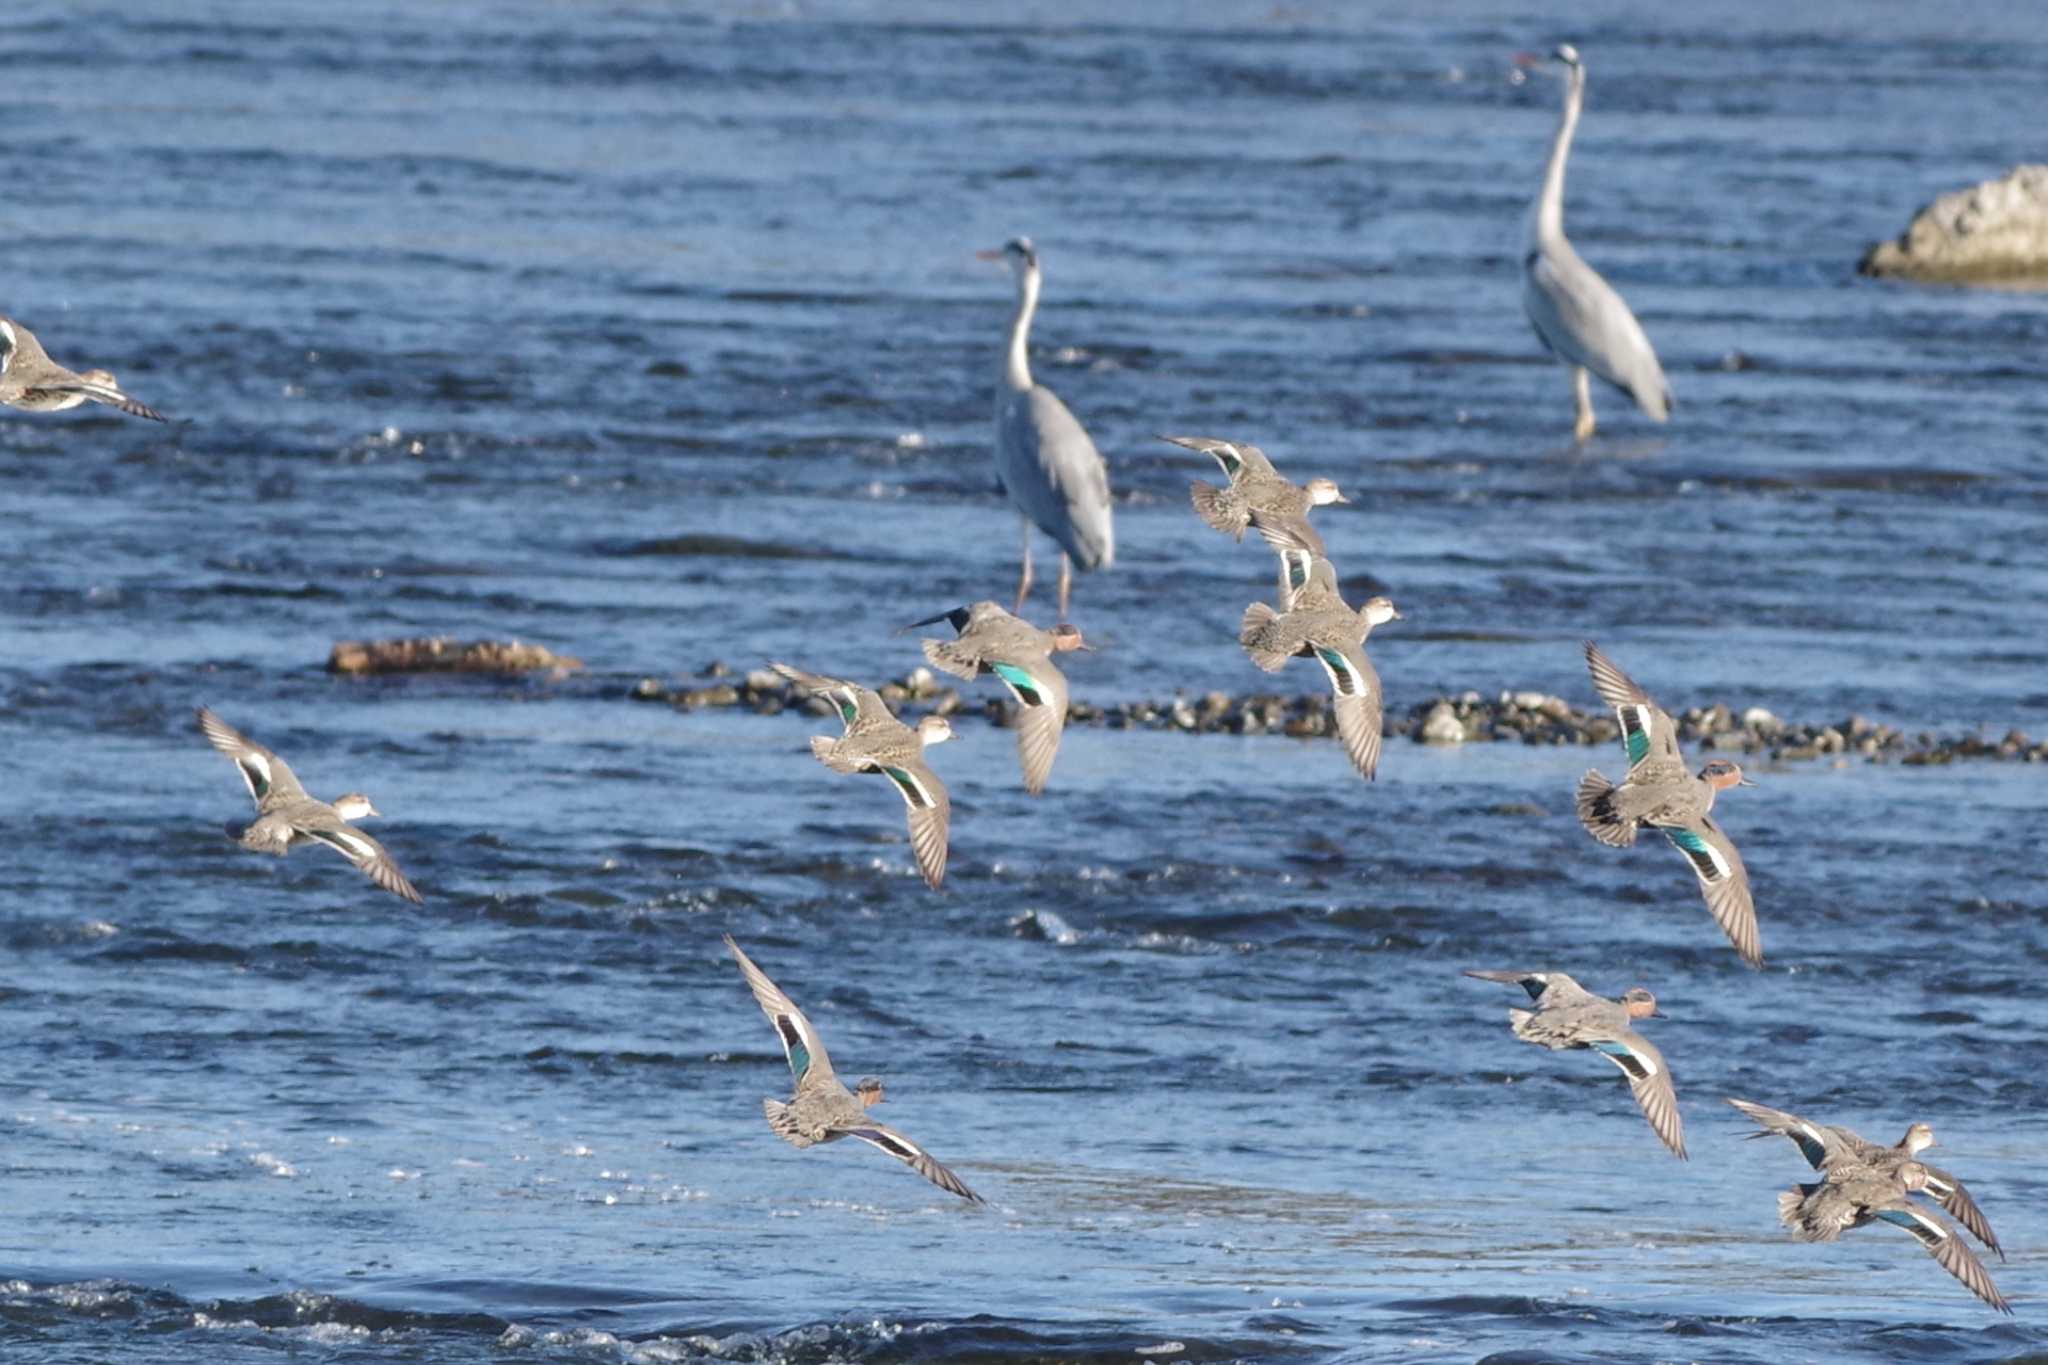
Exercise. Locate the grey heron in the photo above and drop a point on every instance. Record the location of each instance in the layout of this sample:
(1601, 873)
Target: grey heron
(1578, 316)
(1045, 461)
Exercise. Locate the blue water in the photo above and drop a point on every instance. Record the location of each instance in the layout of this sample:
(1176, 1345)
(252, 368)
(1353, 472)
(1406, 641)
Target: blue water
(457, 306)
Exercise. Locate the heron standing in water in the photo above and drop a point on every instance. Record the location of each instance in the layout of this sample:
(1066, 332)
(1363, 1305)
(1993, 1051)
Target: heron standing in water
(1578, 316)
(1045, 461)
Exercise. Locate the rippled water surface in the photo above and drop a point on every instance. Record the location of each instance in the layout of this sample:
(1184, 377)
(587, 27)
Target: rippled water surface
(463, 309)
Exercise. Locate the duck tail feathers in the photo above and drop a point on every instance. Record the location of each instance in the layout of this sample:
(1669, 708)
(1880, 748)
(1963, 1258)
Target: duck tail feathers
(1256, 637)
(1597, 813)
(784, 1125)
(1218, 509)
(825, 749)
(950, 656)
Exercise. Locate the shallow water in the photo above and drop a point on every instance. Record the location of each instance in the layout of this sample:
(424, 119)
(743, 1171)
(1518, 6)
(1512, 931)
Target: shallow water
(462, 308)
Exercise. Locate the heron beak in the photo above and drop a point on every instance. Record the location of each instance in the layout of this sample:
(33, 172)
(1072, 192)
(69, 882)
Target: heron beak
(993, 254)
(1525, 60)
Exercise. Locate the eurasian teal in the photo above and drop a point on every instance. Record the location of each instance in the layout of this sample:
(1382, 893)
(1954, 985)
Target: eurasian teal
(1568, 1016)
(1258, 496)
(1853, 1194)
(823, 1109)
(1317, 624)
(1826, 1146)
(876, 742)
(1045, 461)
(286, 816)
(1660, 793)
(30, 380)
(1020, 654)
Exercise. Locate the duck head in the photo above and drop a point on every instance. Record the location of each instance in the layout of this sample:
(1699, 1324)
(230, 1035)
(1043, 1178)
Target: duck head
(1913, 1176)
(1323, 492)
(1640, 1004)
(934, 730)
(1379, 611)
(1918, 1139)
(1722, 774)
(355, 806)
(869, 1092)
(1065, 637)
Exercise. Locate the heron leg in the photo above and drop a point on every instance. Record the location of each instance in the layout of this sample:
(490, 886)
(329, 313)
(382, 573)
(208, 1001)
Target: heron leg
(1582, 390)
(1066, 581)
(1024, 583)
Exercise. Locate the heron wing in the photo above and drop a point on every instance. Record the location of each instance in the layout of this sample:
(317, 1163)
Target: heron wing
(1055, 476)
(1584, 322)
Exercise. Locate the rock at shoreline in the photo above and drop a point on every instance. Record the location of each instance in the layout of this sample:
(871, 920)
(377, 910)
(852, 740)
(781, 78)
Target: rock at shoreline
(1993, 233)
(1514, 717)
(443, 654)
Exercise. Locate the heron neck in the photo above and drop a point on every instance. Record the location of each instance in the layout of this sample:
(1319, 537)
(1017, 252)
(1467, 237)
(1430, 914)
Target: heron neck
(1549, 223)
(1016, 361)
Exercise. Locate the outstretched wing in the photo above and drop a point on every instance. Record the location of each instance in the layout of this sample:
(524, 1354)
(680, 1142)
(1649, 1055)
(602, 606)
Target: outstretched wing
(1041, 693)
(1650, 1082)
(359, 848)
(912, 1155)
(1559, 988)
(1724, 881)
(1817, 1143)
(808, 1061)
(1356, 687)
(267, 776)
(853, 702)
(1956, 1199)
(930, 813)
(112, 396)
(1947, 1249)
(1236, 458)
(1646, 731)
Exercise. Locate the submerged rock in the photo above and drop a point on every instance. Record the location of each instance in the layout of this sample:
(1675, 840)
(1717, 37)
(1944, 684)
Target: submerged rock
(1992, 233)
(444, 654)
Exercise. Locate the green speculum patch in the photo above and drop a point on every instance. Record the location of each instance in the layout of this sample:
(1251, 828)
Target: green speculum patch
(1026, 685)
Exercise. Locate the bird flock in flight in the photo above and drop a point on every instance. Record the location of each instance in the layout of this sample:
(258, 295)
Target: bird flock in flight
(1052, 474)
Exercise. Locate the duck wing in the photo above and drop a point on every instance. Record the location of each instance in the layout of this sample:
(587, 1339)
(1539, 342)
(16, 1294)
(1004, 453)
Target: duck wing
(910, 1154)
(1650, 1082)
(1724, 881)
(269, 779)
(1647, 732)
(1947, 1249)
(359, 848)
(808, 1061)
